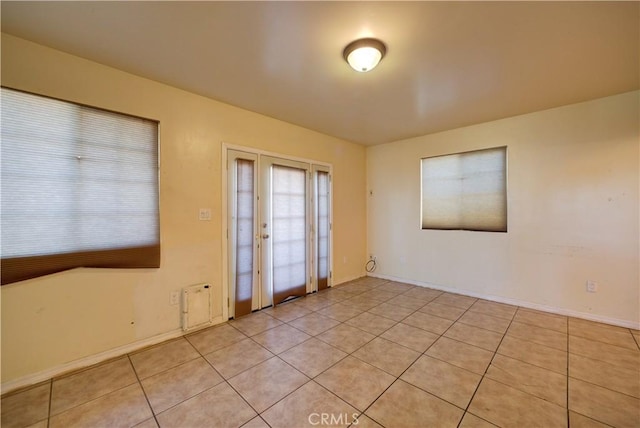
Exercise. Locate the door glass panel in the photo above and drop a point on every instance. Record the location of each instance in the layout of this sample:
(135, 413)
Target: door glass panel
(289, 232)
(245, 170)
(322, 229)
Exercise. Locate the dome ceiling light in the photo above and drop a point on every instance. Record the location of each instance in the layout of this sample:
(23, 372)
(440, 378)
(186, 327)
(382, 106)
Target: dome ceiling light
(364, 54)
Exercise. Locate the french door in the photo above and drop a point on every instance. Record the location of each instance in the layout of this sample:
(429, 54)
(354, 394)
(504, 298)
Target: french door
(279, 230)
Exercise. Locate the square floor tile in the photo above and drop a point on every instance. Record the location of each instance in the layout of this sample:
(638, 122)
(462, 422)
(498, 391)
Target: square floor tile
(422, 293)
(180, 383)
(356, 382)
(395, 287)
(388, 356)
(340, 312)
(362, 303)
(393, 312)
(346, 337)
(494, 309)
(532, 353)
(162, 357)
(314, 324)
(406, 302)
(219, 406)
(457, 300)
(381, 295)
(611, 354)
(443, 311)
(539, 335)
(479, 337)
(541, 319)
(256, 422)
(315, 302)
(411, 337)
(78, 388)
(542, 383)
(404, 405)
(310, 405)
(214, 338)
(472, 421)
(371, 323)
(576, 420)
(428, 322)
(124, 407)
(461, 355)
(366, 422)
(238, 357)
(602, 333)
(607, 375)
(488, 322)
(267, 383)
(288, 311)
(26, 407)
(281, 338)
(255, 323)
(312, 357)
(506, 406)
(149, 423)
(443, 380)
(603, 405)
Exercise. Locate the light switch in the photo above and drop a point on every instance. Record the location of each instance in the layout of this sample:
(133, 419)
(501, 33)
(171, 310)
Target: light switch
(205, 214)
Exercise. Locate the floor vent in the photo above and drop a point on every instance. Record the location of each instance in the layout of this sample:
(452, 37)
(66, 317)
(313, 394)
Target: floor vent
(197, 307)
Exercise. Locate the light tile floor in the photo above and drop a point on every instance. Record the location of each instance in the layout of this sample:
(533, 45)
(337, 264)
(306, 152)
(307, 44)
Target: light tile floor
(369, 353)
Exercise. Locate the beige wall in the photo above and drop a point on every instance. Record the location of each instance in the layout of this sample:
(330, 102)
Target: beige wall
(50, 321)
(572, 203)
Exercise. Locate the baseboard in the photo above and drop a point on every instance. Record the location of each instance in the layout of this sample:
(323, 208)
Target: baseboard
(515, 302)
(44, 375)
(347, 279)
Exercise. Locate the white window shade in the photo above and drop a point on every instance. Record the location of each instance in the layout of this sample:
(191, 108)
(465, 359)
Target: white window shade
(78, 184)
(465, 191)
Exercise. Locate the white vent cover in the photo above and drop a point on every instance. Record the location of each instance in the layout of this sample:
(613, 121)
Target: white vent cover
(197, 307)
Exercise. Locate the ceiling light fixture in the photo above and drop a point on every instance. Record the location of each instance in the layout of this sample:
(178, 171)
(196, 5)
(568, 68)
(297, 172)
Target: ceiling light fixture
(364, 54)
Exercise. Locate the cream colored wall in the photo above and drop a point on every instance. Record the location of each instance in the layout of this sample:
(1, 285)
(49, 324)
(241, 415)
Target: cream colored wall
(51, 321)
(573, 199)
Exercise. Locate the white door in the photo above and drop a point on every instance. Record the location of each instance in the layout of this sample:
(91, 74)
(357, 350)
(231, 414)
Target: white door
(285, 229)
(279, 228)
(244, 290)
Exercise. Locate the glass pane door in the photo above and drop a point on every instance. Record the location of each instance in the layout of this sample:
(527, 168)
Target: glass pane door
(285, 228)
(322, 222)
(243, 270)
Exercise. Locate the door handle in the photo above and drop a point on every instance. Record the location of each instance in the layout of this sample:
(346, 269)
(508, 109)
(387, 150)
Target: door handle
(265, 236)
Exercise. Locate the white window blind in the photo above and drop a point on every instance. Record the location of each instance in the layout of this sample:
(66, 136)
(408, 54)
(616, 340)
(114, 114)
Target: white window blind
(245, 195)
(465, 191)
(76, 180)
(322, 228)
(289, 234)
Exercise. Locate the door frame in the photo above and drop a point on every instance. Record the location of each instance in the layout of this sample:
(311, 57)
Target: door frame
(225, 223)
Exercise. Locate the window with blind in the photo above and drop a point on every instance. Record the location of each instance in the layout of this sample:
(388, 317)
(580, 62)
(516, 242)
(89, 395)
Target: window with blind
(79, 188)
(465, 191)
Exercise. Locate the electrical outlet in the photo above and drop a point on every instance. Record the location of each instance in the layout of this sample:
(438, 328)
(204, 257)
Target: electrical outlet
(592, 286)
(175, 298)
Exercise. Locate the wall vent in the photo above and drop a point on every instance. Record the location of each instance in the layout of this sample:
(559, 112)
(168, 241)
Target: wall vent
(197, 307)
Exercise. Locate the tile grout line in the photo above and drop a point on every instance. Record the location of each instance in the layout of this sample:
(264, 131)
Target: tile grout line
(410, 365)
(466, 410)
(135, 372)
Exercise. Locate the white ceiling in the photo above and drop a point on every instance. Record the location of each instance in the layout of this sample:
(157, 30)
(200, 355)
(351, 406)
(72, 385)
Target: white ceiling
(448, 64)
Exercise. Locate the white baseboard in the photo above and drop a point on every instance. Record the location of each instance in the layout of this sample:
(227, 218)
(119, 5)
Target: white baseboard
(516, 302)
(44, 375)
